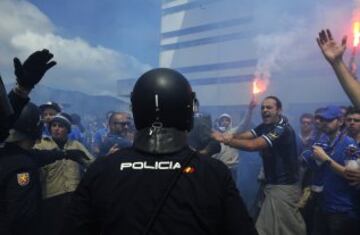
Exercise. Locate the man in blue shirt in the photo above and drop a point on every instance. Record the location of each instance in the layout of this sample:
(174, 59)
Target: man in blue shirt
(276, 141)
(119, 123)
(340, 203)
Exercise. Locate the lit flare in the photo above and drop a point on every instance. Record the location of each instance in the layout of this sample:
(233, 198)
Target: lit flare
(356, 32)
(259, 86)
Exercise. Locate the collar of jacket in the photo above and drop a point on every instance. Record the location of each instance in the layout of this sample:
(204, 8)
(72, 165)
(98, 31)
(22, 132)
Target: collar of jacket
(160, 140)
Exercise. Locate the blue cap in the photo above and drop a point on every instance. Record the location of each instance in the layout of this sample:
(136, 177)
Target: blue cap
(330, 112)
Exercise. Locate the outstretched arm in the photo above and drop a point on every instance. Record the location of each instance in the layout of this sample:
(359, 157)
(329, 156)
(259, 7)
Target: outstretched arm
(333, 53)
(247, 144)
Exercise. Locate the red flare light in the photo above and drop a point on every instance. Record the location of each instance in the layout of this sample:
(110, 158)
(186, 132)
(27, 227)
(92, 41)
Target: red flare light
(356, 32)
(259, 85)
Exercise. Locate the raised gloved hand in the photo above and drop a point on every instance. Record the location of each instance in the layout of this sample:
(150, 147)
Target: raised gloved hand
(77, 156)
(33, 69)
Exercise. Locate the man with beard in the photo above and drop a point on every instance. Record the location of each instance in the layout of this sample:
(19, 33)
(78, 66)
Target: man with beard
(119, 123)
(275, 139)
(339, 203)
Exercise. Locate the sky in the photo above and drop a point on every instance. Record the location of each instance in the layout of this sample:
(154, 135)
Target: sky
(94, 42)
(98, 42)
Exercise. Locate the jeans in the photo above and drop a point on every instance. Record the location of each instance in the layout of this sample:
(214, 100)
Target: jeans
(335, 224)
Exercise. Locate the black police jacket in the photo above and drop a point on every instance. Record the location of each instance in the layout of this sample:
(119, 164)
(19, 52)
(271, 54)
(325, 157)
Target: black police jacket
(120, 192)
(20, 188)
(6, 122)
(20, 192)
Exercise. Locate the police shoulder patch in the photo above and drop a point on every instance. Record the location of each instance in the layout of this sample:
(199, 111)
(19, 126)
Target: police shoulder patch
(23, 178)
(188, 170)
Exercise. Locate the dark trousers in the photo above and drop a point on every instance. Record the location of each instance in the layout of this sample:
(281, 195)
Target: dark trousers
(311, 211)
(53, 213)
(336, 224)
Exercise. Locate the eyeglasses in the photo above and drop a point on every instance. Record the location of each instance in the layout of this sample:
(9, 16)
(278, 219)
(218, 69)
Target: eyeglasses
(353, 119)
(122, 123)
(306, 122)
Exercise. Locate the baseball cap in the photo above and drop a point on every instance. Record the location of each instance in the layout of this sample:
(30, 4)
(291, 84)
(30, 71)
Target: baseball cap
(330, 112)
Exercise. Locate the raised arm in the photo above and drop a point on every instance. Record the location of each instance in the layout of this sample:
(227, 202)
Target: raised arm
(245, 122)
(333, 53)
(28, 74)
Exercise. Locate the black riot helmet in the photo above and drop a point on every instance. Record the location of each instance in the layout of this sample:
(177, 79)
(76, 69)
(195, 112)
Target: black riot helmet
(163, 97)
(29, 123)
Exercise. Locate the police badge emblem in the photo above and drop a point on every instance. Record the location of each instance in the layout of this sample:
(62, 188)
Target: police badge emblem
(188, 170)
(23, 178)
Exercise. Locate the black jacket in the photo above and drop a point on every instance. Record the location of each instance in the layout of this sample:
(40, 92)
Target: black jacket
(119, 194)
(20, 188)
(6, 122)
(20, 192)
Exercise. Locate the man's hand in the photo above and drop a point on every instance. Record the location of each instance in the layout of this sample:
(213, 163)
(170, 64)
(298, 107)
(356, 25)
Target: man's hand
(218, 136)
(222, 137)
(332, 51)
(227, 137)
(320, 154)
(33, 69)
(77, 156)
(306, 195)
(113, 149)
(353, 176)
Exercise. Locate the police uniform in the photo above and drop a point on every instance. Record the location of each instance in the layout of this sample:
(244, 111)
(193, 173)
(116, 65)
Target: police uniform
(159, 185)
(20, 187)
(120, 192)
(20, 191)
(6, 122)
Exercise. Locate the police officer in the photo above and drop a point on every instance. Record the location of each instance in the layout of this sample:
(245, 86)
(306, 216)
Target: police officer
(20, 193)
(28, 74)
(159, 185)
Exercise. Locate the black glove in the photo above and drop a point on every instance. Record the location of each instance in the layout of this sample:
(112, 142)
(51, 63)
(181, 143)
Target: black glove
(77, 156)
(33, 69)
(6, 108)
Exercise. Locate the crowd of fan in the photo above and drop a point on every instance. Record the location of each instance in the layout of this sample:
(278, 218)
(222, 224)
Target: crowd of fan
(327, 152)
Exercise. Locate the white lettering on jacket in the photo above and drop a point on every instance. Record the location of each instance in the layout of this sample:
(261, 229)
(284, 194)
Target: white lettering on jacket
(161, 165)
